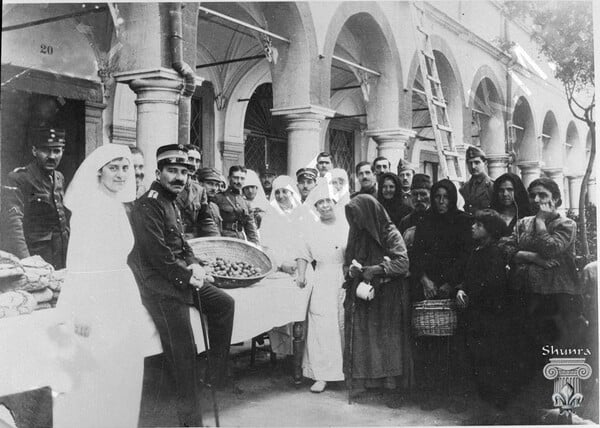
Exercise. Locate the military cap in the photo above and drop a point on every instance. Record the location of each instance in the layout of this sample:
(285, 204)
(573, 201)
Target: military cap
(208, 174)
(48, 137)
(172, 154)
(421, 181)
(475, 152)
(266, 171)
(405, 166)
(310, 173)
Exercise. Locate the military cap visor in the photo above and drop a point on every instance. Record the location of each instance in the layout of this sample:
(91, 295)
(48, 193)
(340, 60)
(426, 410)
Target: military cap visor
(48, 137)
(309, 173)
(208, 174)
(173, 154)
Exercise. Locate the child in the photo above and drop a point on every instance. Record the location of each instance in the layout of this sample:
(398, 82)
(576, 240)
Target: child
(483, 295)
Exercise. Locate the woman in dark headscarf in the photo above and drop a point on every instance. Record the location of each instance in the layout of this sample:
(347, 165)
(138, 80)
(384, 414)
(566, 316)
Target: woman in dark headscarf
(441, 249)
(389, 194)
(510, 199)
(376, 341)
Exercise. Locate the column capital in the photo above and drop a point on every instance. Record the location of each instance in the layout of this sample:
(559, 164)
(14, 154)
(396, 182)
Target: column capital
(149, 73)
(529, 165)
(395, 134)
(561, 366)
(319, 112)
(498, 158)
(553, 172)
(575, 176)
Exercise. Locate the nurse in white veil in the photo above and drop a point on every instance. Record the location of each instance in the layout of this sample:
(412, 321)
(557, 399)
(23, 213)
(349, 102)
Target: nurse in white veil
(100, 300)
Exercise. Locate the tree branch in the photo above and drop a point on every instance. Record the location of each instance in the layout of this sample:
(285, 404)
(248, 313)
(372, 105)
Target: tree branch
(569, 94)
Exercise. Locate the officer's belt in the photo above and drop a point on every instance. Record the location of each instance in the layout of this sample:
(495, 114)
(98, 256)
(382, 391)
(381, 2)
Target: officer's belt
(236, 226)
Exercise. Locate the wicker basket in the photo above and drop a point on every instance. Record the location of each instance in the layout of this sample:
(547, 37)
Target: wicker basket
(232, 249)
(434, 318)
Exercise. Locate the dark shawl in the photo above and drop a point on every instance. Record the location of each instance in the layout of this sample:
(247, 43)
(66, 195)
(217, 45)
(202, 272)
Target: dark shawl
(442, 241)
(394, 207)
(377, 328)
(521, 198)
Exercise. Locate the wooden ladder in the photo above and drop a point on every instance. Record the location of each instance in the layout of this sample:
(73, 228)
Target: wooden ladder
(438, 109)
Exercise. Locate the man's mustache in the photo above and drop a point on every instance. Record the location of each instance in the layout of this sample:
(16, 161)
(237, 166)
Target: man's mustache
(177, 183)
(140, 175)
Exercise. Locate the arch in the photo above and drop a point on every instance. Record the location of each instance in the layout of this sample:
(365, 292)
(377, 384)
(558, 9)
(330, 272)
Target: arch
(525, 136)
(575, 149)
(487, 107)
(235, 113)
(378, 50)
(553, 154)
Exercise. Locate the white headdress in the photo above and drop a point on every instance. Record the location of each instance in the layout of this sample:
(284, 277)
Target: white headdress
(86, 184)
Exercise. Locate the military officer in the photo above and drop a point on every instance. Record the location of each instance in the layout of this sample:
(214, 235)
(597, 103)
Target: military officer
(478, 191)
(235, 210)
(193, 203)
(33, 219)
(266, 178)
(211, 180)
(167, 273)
(406, 172)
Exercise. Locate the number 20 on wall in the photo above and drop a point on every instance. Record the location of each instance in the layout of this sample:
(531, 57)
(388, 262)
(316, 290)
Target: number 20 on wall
(46, 49)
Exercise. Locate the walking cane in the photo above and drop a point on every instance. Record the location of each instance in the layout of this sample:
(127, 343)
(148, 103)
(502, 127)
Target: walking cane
(351, 350)
(208, 357)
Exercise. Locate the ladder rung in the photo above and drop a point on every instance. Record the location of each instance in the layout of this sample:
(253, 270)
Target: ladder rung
(419, 91)
(439, 103)
(444, 128)
(421, 109)
(433, 79)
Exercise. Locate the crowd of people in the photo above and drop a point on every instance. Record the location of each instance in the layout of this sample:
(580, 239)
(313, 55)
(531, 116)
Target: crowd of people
(501, 254)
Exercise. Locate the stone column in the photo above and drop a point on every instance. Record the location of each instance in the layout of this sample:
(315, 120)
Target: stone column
(530, 170)
(391, 143)
(575, 191)
(304, 133)
(93, 126)
(157, 111)
(497, 165)
(233, 154)
(592, 190)
(558, 176)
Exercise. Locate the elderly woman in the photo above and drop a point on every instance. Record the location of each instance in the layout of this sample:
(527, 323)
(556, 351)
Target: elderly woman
(510, 200)
(255, 195)
(100, 298)
(341, 186)
(389, 194)
(323, 358)
(374, 329)
(441, 248)
(542, 253)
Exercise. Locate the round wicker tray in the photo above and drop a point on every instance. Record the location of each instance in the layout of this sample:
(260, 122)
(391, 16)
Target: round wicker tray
(232, 249)
(434, 318)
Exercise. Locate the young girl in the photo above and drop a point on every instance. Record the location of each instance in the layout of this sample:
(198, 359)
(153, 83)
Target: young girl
(483, 293)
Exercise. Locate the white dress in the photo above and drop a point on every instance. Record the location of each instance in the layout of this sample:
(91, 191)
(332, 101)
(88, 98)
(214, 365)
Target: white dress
(323, 353)
(106, 371)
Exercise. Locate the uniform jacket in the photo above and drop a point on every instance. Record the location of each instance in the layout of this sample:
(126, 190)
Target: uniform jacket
(215, 214)
(477, 192)
(193, 204)
(34, 219)
(237, 216)
(161, 256)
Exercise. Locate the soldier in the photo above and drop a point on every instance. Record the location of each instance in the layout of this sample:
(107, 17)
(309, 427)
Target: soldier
(307, 180)
(366, 179)
(167, 273)
(406, 172)
(478, 191)
(193, 203)
(34, 220)
(211, 180)
(266, 178)
(238, 221)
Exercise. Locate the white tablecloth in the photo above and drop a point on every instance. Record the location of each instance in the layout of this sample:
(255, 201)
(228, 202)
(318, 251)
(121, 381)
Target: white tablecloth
(29, 355)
